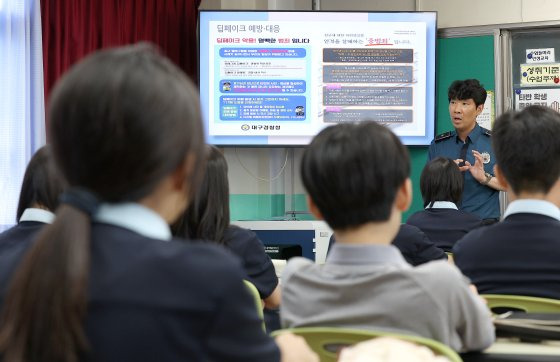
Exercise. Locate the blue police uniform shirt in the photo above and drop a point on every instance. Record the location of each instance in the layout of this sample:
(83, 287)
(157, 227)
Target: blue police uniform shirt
(477, 198)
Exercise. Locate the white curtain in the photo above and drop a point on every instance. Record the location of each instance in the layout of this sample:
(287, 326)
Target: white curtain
(22, 109)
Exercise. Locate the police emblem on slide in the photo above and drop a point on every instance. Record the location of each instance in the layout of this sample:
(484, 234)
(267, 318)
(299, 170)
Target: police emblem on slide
(485, 157)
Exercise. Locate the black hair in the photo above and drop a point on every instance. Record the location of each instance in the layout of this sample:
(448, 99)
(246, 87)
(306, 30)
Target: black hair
(352, 173)
(42, 183)
(441, 180)
(121, 120)
(467, 89)
(207, 217)
(527, 148)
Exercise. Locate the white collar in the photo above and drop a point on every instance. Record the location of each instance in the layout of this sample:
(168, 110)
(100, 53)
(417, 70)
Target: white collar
(39, 215)
(533, 206)
(442, 205)
(134, 217)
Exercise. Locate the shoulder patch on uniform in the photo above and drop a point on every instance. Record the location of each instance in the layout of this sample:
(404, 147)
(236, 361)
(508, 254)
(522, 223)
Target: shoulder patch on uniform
(443, 136)
(486, 132)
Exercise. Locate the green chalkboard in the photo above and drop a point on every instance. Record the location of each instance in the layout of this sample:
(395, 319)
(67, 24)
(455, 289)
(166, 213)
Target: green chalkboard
(457, 58)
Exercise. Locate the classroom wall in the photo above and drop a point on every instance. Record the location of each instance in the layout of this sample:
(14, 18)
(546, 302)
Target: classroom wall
(255, 198)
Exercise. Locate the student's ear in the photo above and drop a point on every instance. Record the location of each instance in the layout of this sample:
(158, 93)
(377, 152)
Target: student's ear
(500, 177)
(314, 209)
(403, 198)
(182, 173)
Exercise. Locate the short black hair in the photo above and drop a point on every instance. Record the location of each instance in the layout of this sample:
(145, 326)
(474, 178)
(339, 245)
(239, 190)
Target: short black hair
(42, 183)
(527, 148)
(441, 180)
(467, 89)
(352, 172)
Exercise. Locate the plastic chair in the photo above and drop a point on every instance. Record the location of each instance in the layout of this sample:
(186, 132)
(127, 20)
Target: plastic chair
(327, 341)
(523, 303)
(257, 299)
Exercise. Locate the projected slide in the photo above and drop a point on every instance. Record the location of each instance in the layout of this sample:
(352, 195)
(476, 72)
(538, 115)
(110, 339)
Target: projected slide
(271, 78)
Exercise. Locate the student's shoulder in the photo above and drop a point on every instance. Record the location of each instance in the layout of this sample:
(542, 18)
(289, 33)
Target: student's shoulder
(297, 265)
(435, 274)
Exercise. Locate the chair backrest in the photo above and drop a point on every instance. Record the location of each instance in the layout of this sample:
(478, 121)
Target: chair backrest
(523, 303)
(257, 299)
(327, 341)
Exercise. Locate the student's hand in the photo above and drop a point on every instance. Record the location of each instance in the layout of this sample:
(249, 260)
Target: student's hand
(294, 349)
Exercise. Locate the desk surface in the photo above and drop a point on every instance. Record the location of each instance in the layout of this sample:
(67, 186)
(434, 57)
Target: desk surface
(512, 350)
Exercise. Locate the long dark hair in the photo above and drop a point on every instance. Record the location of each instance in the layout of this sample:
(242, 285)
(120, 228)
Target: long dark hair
(207, 217)
(42, 183)
(120, 122)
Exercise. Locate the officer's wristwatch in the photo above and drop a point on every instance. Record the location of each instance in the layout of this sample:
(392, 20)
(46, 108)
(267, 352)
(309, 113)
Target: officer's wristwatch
(487, 179)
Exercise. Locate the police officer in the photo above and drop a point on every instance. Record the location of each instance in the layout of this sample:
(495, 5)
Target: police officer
(469, 145)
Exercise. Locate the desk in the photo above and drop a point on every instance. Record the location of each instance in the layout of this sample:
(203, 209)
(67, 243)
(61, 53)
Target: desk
(508, 350)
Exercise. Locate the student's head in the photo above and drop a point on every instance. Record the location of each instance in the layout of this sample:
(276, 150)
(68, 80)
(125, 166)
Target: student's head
(527, 149)
(207, 217)
(466, 102)
(356, 174)
(124, 126)
(441, 180)
(42, 183)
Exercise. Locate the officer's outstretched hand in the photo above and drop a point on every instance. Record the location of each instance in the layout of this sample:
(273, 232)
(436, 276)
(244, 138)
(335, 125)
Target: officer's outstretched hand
(476, 170)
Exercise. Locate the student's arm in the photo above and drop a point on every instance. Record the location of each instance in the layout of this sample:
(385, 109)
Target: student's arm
(471, 315)
(273, 300)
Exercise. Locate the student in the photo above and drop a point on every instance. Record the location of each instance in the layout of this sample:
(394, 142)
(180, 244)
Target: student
(207, 218)
(357, 177)
(415, 247)
(38, 199)
(469, 145)
(105, 281)
(520, 254)
(441, 184)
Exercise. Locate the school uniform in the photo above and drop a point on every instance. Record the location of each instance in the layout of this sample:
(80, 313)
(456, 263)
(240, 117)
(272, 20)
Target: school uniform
(373, 287)
(257, 264)
(519, 255)
(22, 234)
(154, 298)
(414, 245)
(444, 223)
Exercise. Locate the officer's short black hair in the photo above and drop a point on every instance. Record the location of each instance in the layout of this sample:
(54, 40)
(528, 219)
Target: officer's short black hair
(467, 89)
(352, 172)
(527, 148)
(441, 180)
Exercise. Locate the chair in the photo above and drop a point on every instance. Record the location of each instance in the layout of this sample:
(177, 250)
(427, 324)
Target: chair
(327, 341)
(257, 299)
(523, 303)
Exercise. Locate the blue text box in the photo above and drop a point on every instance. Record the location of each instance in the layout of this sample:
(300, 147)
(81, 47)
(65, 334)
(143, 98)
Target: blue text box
(287, 86)
(262, 53)
(257, 108)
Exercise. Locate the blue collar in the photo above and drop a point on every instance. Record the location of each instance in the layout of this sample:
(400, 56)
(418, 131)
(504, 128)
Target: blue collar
(134, 217)
(473, 136)
(38, 215)
(533, 206)
(368, 254)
